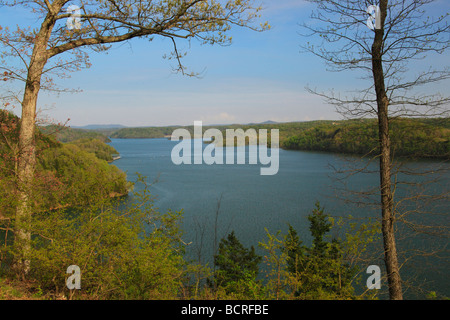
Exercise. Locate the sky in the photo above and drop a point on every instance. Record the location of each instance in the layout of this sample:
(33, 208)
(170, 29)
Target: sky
(261, 76)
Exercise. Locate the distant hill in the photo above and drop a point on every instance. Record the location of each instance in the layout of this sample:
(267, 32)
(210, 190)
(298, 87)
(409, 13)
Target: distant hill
(414, 138)
(411, 138)
(142, 133)
(286, 129)
(269, 122)
(100, 126)
(68, 134)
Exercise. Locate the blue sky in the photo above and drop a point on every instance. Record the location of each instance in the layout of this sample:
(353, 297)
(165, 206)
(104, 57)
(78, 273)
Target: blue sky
(261, 76)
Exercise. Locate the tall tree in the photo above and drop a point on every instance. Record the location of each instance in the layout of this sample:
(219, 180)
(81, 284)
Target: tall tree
(235, 263)
(59, 45)
(382, 39)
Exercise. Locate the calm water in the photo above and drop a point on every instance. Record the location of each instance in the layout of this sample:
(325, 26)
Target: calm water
(250, 202)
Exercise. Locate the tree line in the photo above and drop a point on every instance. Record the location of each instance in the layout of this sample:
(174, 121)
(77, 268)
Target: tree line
(410, 138)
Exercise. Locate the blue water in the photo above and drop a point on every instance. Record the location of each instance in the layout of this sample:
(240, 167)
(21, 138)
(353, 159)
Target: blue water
(249, 202)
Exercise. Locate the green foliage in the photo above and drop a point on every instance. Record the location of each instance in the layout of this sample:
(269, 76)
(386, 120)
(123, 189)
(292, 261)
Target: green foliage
(318, 228)
(237, 267)
(278, 280)
(294, 250)
(322, 270)
(419, 138)
(67, 134)
(66, 174)
(100, 149)
(135, 253)
(84, 176)
(413, 138)
(326, 270)
(143, 133)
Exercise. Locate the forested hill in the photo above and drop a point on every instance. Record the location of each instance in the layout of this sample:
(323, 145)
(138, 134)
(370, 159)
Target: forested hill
(86, 139)
(418, 138)
(142, 133)
(67, 134)
(95, 146)
(67, 173)
(415, 138)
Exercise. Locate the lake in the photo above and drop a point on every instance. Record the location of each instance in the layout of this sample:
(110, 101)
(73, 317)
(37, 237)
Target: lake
(217, 199)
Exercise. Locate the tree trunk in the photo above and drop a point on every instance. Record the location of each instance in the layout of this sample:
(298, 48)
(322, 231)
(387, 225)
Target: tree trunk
(388, 217)
(27, 149)
(25, 172)
(387, 212)
(25, 175)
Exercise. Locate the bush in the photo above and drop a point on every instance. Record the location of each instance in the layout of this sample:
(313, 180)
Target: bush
(136, 253)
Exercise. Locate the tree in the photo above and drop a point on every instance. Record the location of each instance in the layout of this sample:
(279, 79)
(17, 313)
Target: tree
(136, 253)
(236, 265)
(328, 269)
(323, 269)
(59, 46)
(400, 35)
